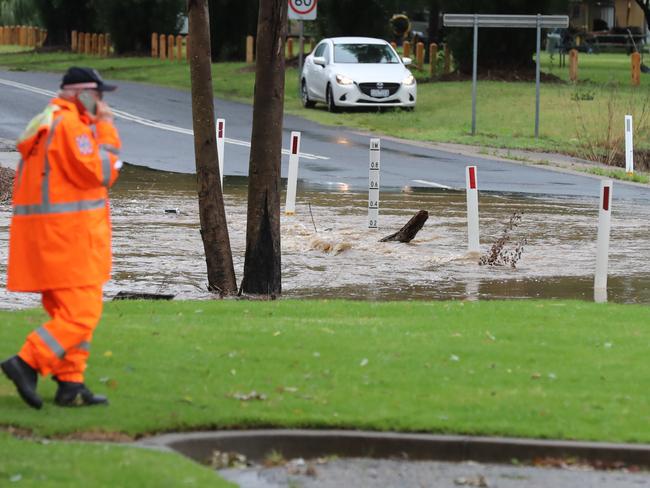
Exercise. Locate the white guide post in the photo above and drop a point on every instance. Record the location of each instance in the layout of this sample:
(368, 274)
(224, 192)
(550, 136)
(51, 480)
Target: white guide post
(629, 145)
(604, 224)
(221, 135)
(373, 184)
(292, 177)
(473, 244)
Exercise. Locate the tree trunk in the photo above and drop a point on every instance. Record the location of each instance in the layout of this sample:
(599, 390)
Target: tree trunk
(410, 230)
(262, 267)
(214, 227)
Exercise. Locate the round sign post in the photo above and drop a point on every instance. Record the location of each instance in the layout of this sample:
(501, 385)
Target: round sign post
(302, 10)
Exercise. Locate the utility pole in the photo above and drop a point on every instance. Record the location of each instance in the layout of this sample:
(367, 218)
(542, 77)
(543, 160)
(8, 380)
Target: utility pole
(262, 265)
(214, 227)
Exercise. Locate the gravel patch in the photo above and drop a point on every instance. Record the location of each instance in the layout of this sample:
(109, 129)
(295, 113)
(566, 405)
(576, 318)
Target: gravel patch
(367, 473)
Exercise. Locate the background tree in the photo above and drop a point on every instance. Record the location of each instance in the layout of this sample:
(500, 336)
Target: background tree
(230, 22)
(19, 12)
(130, 23)
(262, 265)
(61, 17)
(499, 49)
(354, 17)
(214, 228)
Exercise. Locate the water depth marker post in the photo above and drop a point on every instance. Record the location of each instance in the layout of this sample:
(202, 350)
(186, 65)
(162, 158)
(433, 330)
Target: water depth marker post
(471, 177)
(373, 184)
(221, 135)
(629, 145)
(292, 177)
(602, 246)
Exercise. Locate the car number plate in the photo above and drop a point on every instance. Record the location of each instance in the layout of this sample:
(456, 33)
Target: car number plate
(379, 93)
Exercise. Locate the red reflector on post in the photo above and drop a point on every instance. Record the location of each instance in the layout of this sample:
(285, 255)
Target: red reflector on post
(606, 198)
(220, 129)
(472, 178)
(294, 146)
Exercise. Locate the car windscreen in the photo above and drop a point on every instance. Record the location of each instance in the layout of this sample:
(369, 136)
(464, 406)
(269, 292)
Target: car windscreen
(364, 53)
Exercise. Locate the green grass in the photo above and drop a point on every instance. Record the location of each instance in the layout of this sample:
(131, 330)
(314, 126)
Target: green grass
(620, 174)
(27, 463)
(505, 110)
(552, 369)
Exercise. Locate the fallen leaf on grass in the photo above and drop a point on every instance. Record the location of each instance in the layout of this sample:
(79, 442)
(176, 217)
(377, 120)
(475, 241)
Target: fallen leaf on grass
(108, 354)
(247, 397)
(453, 357)
(536, 376)
(288, 389)
(363, 362)
(276, 333)
(478, 481)
(490, 336)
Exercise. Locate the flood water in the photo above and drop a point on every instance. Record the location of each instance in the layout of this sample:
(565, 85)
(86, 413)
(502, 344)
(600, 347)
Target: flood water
(334, 255)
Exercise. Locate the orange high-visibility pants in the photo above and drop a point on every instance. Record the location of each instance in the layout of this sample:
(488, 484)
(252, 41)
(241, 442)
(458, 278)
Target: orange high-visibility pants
(61, 346)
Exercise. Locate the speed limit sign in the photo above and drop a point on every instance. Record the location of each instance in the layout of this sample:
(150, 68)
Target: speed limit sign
(302, 9)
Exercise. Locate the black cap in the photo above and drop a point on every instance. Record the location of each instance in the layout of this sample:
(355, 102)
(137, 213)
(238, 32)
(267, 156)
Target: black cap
(77, 77)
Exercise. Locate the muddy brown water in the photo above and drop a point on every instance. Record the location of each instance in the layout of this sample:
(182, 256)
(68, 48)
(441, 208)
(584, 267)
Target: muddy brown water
(160, 252)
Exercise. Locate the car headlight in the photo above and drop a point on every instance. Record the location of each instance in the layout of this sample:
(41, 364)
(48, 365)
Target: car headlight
(344, 80)
(409, 80)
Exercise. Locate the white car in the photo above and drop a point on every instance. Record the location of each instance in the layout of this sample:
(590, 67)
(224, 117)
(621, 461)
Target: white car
(357, 72)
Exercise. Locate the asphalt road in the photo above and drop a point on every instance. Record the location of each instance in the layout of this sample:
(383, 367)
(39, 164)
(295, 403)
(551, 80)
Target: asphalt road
(155, 125)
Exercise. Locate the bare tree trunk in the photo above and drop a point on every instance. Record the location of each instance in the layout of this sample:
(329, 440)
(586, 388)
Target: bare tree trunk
(262, 267)
(214, 227)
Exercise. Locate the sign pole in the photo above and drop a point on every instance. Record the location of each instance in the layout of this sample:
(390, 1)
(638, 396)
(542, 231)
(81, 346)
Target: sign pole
(301, 51)
(537, 73)
(629, 146)
(474, 69)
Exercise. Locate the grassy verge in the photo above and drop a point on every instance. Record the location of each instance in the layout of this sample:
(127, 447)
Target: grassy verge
(68, 464)
(519, 368)
(569, 117)
(620, 174)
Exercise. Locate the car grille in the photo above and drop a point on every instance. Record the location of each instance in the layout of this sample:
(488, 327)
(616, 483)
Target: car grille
(391, 87)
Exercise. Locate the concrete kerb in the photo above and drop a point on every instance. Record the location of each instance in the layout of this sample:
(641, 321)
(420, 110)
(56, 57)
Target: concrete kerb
(308, 444)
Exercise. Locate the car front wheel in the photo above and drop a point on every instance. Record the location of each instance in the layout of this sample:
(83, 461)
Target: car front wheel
(331, 104)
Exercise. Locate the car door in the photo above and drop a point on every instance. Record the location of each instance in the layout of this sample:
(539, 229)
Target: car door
(319, 73)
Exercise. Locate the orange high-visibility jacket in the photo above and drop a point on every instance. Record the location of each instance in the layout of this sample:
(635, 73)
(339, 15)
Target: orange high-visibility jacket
(60, 235)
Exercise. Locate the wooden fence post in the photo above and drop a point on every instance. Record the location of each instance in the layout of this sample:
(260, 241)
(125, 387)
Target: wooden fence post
(162, 46)
(419, 55)
(87, 41)
(95, 44)
(107, 46)
(433, 59)
(170, 47)
(250, 55)
(187, 48)
(635, 59)
(101, 39)
(154, 45)
(290, 47)
(573, 65)
(447, 68)
(406, 49)
(73, 43)
(179, 48)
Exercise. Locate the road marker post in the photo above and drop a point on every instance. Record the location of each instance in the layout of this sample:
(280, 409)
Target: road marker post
(473, 242)
(221, 135)
(292, 176)
(373, 183)
(629, 145)
(602, 244)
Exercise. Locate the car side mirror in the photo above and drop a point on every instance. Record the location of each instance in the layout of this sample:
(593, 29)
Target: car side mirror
(407, 61)
(320, 60)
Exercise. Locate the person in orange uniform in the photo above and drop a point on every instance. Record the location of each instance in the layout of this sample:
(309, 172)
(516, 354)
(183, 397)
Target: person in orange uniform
(60, 234)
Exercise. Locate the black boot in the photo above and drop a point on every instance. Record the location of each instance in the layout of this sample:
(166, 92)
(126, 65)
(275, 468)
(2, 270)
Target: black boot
(25, 378)
(70, 394)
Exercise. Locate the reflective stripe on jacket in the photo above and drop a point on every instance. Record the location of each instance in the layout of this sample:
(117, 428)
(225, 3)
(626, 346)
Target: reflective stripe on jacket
(60, 230)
